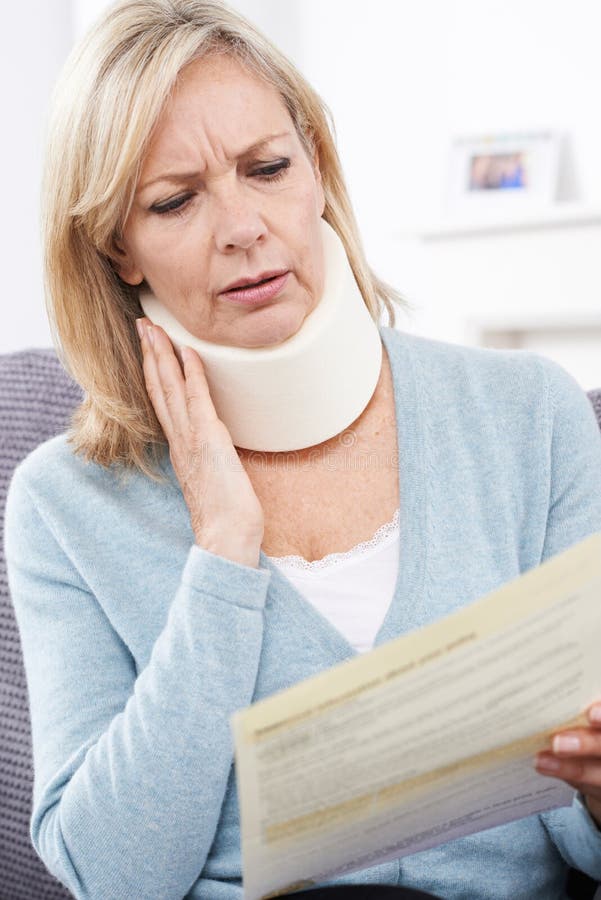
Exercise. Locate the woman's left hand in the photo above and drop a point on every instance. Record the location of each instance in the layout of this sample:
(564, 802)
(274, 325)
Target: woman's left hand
(576, 759)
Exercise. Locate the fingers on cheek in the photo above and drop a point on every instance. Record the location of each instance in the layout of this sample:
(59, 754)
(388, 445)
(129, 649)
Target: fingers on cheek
(155, 388)
(150, 363)
(153, 381)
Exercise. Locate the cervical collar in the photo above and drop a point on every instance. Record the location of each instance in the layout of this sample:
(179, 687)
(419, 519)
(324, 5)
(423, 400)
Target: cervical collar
(304, 390)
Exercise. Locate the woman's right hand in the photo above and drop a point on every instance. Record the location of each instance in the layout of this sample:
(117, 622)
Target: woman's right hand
(225, 513)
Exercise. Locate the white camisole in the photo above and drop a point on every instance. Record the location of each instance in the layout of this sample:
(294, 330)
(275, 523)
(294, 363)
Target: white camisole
(353, 590)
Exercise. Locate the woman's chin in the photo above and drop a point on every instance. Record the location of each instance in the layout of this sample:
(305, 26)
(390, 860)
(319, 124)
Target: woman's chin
(270, 325)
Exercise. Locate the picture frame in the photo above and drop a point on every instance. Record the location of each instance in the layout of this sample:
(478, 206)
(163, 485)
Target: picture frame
(503, 172)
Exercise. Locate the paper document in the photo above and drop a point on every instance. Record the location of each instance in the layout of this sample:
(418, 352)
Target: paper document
(427, 738)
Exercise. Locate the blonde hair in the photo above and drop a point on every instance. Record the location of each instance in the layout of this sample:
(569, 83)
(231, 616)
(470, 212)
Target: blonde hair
(105, 105)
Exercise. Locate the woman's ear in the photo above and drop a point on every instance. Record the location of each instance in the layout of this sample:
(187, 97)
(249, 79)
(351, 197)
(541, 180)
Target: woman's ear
(124, 264)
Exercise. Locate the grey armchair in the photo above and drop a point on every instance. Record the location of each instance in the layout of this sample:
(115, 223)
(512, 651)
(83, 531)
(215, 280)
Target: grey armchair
(36, 398)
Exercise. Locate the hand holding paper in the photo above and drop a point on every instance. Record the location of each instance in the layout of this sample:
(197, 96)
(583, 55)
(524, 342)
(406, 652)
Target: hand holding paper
(576, 759)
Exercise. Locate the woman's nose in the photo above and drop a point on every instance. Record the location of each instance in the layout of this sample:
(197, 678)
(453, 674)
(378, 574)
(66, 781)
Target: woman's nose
(238, 222)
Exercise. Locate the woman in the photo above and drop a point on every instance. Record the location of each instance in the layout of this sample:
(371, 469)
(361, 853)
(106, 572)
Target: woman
(151, 607)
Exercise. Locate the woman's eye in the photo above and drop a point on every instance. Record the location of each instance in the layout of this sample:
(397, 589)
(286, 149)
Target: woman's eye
(171, 206)
(273, 172)
(267, 173)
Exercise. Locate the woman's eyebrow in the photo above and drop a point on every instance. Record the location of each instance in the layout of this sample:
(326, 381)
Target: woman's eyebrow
(188, 176)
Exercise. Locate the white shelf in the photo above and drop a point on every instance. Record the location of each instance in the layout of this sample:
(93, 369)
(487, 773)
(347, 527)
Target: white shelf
(577, 322)
(559, 215)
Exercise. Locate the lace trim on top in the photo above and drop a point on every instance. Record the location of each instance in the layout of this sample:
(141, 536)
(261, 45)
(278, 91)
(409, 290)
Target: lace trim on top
(383, 533)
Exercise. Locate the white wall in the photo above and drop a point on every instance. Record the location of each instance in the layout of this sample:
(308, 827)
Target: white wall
(29, 62)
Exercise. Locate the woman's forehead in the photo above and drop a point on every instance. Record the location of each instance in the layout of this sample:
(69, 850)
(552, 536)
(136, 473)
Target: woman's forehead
(220, 108)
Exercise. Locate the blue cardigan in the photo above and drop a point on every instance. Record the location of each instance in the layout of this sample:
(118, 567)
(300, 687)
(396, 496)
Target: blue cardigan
(138, 644)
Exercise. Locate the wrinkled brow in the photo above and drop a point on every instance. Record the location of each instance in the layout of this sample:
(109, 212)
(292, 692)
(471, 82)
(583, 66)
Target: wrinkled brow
(189, 176)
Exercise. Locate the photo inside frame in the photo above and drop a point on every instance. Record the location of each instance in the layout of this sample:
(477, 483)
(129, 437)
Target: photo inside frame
(498, 172)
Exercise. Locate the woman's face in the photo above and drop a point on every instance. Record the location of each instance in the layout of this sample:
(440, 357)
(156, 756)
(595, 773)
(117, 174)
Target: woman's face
(210, 209)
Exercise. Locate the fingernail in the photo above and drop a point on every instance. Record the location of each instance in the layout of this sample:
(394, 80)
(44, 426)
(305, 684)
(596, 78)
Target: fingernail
(566, 743)
(150, 334)
(140, 327)
(548, 763)
(595, 714)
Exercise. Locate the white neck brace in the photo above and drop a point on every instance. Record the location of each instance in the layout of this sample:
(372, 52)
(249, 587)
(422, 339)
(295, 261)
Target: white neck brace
(306, 389)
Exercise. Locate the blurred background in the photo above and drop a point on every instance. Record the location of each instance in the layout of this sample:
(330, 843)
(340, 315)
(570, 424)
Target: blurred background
(411, 84)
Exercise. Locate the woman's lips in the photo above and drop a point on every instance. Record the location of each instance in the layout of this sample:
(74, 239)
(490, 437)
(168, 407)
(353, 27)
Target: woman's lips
(248, 296)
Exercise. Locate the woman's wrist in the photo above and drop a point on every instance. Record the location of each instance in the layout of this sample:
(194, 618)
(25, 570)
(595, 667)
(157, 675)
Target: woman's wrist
(241, 550)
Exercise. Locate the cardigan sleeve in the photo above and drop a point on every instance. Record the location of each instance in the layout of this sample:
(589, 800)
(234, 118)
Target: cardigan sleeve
(574, 513)
(130, 770)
